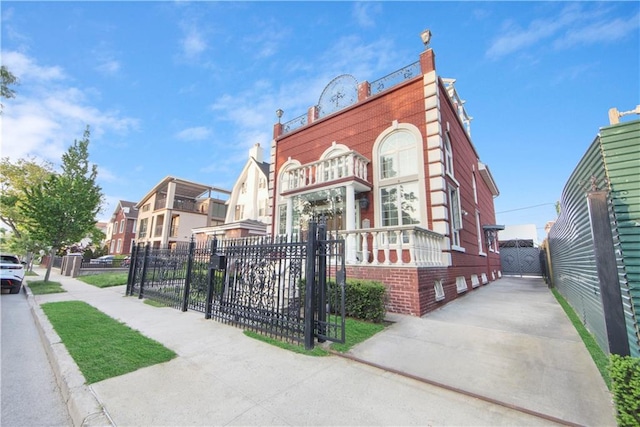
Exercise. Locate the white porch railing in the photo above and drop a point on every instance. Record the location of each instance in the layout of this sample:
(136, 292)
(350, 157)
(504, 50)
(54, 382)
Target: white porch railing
(408, 246)
(344, 165)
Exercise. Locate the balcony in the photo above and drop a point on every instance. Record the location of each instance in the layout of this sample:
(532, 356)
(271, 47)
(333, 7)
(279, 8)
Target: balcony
(346, 166)
(405, 246)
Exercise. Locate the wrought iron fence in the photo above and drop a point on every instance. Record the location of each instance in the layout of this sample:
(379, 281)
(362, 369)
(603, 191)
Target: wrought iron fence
(397, 77)
(292, 290)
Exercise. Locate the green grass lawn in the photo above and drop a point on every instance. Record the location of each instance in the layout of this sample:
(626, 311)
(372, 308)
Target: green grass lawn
(101, 346)
(105, 280)
(40, 287)
(599, 357)
(30, 273)
(356, 331)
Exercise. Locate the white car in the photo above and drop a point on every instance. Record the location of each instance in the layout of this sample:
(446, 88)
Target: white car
(11, 273)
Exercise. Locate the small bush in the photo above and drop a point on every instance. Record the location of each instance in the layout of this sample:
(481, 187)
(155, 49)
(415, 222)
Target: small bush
(364, 299)
(625, 387)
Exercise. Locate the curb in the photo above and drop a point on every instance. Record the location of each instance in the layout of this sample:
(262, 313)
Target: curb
(84, 407)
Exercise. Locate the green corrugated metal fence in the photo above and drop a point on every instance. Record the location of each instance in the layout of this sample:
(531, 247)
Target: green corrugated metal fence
(613, 156)
(621, 152)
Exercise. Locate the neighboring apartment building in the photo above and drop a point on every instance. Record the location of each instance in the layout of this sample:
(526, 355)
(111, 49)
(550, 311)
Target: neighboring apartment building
(122, 228)
(247, 207)
(391, 167)
(174, 207)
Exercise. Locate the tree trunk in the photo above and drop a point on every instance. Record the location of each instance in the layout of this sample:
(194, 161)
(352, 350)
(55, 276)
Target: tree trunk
(50, 264)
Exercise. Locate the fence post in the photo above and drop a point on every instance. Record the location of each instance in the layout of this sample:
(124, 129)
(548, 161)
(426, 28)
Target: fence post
(211, 284)
(187, 282)
(310, 291)
(132, 270)
(607, 267)
(147, 249)
(321, 253)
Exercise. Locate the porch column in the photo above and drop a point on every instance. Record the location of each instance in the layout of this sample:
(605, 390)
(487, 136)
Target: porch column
(350, 224)
(171, 194)
(289, 220)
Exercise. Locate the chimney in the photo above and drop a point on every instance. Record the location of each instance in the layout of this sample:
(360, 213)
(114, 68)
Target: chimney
(256, 153)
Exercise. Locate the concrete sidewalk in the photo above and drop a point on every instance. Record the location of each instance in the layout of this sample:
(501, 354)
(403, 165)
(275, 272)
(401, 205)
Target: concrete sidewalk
(510, 342)
(222, 377)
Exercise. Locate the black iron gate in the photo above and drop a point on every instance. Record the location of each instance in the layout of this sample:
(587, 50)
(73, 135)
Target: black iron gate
(290, 290)
(521, 258)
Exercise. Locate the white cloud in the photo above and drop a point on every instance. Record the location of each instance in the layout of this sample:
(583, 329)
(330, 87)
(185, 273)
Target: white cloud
(604, 31)
(198, 133)
(46, 115)
(109, 67)
(24, 68)
(193, 44)
(364, 12)
(575, 24)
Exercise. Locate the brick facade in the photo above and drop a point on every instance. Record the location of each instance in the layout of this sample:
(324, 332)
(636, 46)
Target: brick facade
(425, 105)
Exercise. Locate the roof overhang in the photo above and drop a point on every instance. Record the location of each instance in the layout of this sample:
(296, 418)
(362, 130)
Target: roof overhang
(488, 178)
(184, 188)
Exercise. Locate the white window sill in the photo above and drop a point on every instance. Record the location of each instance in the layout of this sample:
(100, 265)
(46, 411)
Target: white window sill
(439, 298)
(482, 253)
(458, 248)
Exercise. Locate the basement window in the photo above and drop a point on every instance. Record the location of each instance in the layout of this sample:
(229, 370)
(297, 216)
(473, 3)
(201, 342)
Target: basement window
(461, 284)
(484, 279)
(439, 290)
(474, 281)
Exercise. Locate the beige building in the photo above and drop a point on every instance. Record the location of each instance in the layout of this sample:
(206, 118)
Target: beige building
(174, 207)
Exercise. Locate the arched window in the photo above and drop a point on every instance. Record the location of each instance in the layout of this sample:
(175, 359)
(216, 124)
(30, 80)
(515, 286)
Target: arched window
(399, 171)
(398, 155)
(448, 154)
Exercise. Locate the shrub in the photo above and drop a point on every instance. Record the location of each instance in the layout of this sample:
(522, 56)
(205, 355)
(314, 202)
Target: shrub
(625, 387)
(364, 299)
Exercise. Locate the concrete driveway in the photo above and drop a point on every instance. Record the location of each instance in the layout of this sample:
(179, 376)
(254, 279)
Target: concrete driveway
(508, 342)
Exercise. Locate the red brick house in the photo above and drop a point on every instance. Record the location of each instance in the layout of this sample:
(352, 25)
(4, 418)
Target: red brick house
(123, 228)
(391, 166)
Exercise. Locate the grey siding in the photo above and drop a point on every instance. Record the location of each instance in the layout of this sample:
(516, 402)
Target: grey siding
(571, 246)
(612, 161)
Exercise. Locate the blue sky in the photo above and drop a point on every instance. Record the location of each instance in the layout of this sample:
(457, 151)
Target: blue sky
(186, 88)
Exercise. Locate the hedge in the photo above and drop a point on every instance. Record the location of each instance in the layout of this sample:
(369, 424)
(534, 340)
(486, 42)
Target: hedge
(364, 299)
(625, 387)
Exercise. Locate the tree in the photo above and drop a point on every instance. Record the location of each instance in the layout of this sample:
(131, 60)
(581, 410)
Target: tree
(6, 79)
(62, 209)
(15, 178)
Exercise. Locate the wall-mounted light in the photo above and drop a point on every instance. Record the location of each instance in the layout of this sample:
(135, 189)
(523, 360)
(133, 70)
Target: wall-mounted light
(491, 233)
(279, 113)
(363, 202)
(426, 37)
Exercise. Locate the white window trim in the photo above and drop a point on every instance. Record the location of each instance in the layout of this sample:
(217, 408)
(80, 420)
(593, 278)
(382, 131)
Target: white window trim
(448, 155)
(439, 290)
(461, 284)
(455, 247)
(475, 282)
(484, 278)
(481, 251)
(419, 177)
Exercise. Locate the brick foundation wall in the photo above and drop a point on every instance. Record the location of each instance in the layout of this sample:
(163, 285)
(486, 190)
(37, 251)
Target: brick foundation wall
(411, 289)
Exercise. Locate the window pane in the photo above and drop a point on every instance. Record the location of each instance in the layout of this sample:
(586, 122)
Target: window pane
(410, 204)
(387, 169)
(398, 155)
(389, 200)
